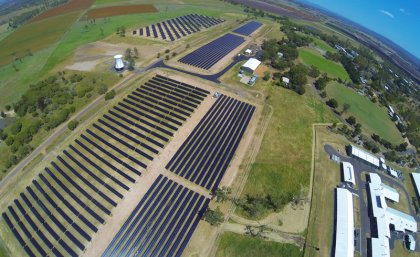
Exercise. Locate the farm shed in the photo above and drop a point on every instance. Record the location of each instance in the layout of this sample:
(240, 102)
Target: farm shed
(251, 65)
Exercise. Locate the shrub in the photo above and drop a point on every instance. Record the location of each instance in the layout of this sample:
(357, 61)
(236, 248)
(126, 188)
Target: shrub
(111, 94)
(73, 124)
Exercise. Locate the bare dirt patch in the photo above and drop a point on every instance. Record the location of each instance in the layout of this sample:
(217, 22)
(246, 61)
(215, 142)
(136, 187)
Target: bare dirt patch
(87, 57)
(120, 10)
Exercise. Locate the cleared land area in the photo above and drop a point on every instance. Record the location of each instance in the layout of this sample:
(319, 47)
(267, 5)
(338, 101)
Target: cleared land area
(322, 45)
(370, 115)
(34, 36)
(235, 245)
(119, 10)
(71, 6)
(311, 57)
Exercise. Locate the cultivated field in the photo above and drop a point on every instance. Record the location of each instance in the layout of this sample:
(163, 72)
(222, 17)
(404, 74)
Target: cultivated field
(311, 57)
(119, 10)
(373, 118)
(70, 6)
(34, 36)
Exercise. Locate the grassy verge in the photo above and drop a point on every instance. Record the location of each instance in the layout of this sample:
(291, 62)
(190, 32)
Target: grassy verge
(233, 245)
(370, 115)
(326, 178)
(311, 57)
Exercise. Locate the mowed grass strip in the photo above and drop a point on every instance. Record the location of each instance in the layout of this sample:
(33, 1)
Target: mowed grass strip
(311, 57)
(71, 6)
(34, 37)
(235, 245)
(370, 115)
(120, 10)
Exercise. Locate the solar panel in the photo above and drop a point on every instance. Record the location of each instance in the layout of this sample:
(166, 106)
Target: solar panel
(208, 55)
(248, 28)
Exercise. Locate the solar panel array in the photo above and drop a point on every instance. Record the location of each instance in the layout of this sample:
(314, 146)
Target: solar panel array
(162, 223)
(206, 154)
(179, 27)
(208, 55)
(60, 211)
(248, 28)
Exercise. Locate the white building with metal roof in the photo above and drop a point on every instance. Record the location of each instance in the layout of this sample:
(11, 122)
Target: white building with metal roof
(344, 236)
(251, 65)
(362, 154)
(348, 173)
(385, 216)
(416, 182)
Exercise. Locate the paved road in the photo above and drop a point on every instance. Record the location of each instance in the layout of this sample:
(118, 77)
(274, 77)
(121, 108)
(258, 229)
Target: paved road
(63, 127)
(213, 77)
(359, 167)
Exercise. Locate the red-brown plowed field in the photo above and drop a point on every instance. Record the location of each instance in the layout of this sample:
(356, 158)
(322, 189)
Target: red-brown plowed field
(70, 6)
(120, 10)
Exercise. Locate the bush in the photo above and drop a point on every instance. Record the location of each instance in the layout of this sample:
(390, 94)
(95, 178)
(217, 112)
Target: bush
(73, 124)
(16, 127)
(102, 89)
(111, 94)
(167, 51)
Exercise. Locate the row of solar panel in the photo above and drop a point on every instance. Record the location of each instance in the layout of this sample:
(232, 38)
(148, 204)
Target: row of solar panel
(248, 28)
(205, 156)
(179, 27)
(82, 186)
(208, 55)
(161, 224)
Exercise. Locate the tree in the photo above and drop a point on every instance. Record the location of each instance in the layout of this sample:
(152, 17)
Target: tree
(346, 107)
(72, 125)
(131, 64)
(323, 94)
(111, 94)
(128, 54)
(8, 107)
(314, 72)
(214, 217)
(136, 52)
(332, 103)
(351, 120)
(401, 147)
(267, 75)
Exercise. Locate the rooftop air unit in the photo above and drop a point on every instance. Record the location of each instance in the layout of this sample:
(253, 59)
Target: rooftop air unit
(119, 64)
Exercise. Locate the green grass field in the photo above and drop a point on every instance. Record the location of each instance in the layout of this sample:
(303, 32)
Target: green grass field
(311, 57)
(234, 245)
(322, 45)
(373, 118)
(282, 168)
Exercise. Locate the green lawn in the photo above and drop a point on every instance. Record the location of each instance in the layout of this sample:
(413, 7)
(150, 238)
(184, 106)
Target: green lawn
(282, 167)
(234, 245)
(373, 118)
(324, 46)
(311, 57)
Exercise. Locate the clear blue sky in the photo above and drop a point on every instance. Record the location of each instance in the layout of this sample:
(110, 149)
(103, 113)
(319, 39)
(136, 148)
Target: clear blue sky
(398, 20)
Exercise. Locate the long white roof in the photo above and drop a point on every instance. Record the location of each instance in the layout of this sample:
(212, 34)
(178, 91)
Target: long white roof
(362, 154)
(348, 173)
(252, 64)
(344, 242)
(416, 178)
(386, 216)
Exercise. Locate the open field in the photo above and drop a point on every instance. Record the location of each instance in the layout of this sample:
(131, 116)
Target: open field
(326, 178)
(311, 57)
(119, 10)
(70, 6)
(322, 45)
(34, 36)
(235, 245)
(373, 118)
(282, 168)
